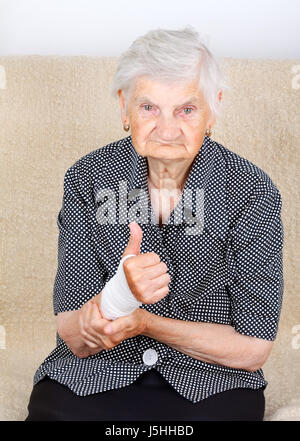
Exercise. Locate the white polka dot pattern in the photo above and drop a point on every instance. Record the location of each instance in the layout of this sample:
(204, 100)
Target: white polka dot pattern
(231, 273)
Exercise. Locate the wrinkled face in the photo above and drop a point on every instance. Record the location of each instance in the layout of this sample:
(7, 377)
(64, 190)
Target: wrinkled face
(168, 120)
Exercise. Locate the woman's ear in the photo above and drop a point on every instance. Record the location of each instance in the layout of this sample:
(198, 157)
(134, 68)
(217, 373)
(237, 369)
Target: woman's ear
(122, 102)
(210, 122)
(212, 119)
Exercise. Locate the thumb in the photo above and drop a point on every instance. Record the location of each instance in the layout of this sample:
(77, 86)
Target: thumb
(135, 239)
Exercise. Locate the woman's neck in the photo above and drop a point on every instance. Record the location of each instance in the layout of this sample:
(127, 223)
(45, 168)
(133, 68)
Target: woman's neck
(171, 176)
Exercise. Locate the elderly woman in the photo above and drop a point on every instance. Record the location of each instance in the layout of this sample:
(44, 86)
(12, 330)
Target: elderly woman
(181, 330)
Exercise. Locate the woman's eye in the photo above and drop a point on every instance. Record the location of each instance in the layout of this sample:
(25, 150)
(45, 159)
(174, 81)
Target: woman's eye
(189, 110)
(148, 108)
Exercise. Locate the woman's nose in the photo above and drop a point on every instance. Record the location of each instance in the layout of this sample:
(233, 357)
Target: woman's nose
(168, 129)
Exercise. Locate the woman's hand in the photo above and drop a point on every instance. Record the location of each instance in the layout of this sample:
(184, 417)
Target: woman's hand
(88, 335)
(146, 275)
(82, 329)
(127, 326)
(91, 324)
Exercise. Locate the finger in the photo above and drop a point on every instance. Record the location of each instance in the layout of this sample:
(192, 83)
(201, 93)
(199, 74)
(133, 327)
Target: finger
(141, 261)
(93, 327)
(93, 322)
(91, 334)
(159, 294)
(102, 337)
(116, 326)
(160, 282)
(97, 300)
(135, 239)
(95, 310)
(154, 271)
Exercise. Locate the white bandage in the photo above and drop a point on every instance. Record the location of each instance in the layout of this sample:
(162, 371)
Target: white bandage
(117, 299)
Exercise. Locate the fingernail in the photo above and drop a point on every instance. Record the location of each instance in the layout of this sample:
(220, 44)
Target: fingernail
(108, 329)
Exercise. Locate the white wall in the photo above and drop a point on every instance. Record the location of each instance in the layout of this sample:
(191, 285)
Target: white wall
(231, 28)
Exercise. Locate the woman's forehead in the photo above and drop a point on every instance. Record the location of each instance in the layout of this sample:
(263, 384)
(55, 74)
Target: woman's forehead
(152, 90)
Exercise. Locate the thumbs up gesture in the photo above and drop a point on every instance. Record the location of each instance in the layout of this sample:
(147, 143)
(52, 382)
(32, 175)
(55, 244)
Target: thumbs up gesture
(146, 275)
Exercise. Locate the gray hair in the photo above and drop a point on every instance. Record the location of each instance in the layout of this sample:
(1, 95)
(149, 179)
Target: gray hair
(170, 55)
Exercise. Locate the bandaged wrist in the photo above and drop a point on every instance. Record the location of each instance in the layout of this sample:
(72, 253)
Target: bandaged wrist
(117, 299)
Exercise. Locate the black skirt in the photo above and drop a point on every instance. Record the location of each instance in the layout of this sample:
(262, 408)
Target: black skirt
(149, 398)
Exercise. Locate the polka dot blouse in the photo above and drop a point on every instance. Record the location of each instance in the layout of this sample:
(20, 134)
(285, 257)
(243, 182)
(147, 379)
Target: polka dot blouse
(224, 258)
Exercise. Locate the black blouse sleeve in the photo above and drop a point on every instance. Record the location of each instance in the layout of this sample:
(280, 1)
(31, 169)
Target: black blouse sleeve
(80, 274)
(256, 243)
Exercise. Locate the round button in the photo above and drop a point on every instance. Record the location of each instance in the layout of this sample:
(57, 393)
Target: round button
(150, 357)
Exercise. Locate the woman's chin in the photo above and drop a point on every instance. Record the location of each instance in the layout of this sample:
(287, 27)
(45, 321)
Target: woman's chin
(168, 151)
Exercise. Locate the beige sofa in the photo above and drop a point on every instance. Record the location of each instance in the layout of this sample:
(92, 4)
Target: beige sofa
(53, 110)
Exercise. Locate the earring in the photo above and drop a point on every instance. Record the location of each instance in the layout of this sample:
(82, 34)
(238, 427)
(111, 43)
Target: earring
(208, 132)
(126, 127)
